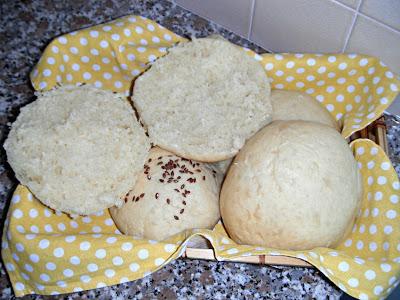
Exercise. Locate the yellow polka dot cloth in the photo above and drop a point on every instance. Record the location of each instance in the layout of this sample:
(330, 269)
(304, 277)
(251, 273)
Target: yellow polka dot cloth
(48, 252)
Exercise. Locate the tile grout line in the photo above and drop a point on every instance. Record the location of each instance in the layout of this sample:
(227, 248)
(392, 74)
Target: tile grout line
(390, 28)
(227, 29)
(366, 16)
(252, 11)
(250, 28)
(356, 11)
(343, 5)
(353, 23)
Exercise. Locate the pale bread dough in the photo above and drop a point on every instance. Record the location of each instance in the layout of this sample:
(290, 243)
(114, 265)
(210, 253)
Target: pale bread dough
(293, 105)
(171, 194)
(203, 99)
(78, 149)
(295, 185)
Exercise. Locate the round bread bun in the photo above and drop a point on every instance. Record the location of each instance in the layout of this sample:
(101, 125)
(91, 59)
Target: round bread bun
(295, 185)
(204, 99)
(171, 194)
(292, 105)
(78, 149)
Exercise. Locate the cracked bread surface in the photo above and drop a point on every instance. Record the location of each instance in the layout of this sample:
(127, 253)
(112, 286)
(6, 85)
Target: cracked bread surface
(204, 99)
(77, 149)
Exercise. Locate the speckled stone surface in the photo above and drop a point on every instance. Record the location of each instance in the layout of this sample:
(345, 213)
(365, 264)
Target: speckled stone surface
(393, 135)
(26, 27)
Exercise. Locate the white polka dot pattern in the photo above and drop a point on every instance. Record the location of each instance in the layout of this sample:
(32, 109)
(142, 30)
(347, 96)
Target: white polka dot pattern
(363, 264)
(106, 56)
(356, 90)
(75, 249)
(87, 252)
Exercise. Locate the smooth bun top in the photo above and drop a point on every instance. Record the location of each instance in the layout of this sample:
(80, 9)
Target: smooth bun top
(293, 105)
(294, 185)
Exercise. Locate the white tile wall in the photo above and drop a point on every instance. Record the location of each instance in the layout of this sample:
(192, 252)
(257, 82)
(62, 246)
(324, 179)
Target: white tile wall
(373, 38)
(232, 14)
(385, 11)
(364, 26)
(301, 25)
(350, 3)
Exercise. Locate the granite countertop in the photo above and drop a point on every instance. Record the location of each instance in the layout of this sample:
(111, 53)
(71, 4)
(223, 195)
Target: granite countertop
(26, 27)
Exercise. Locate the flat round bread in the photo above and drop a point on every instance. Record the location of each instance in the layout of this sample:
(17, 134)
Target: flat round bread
(78, 149)
(203, 99)
(292, 105)
(171, 194)
(295, 185)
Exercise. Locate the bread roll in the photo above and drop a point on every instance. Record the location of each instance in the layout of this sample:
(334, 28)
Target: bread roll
(295, 185)
(292, 105)
(78, 149)
(203, 99)
(171, 194)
